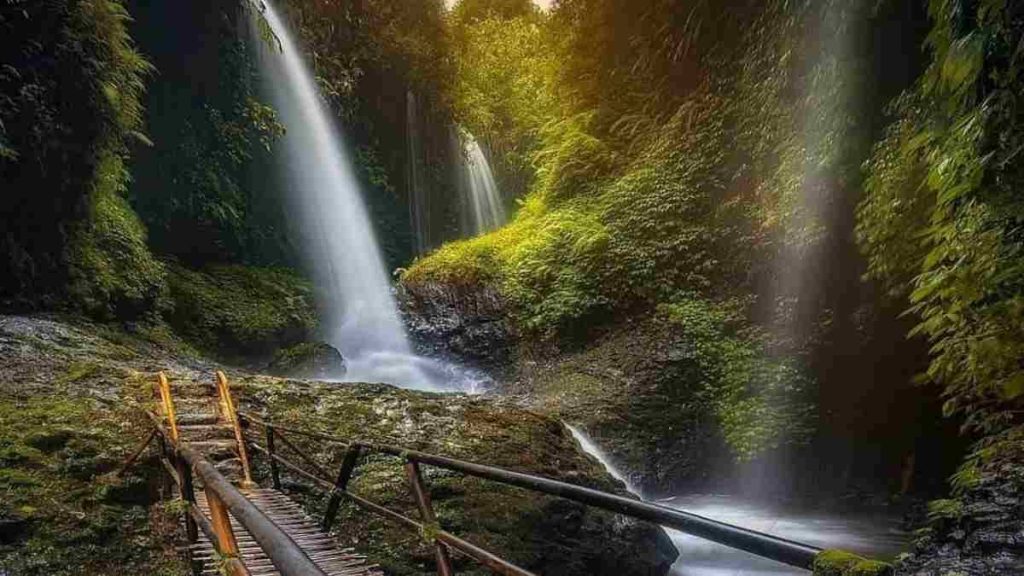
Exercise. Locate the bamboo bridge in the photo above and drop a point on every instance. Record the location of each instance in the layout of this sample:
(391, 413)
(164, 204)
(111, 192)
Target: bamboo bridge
(235, 527)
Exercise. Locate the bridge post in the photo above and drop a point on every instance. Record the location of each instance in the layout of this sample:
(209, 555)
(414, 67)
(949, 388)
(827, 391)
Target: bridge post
(188, 495)
(412, 471)
(348, 465)
(228, 409)
(226, 544)
(275, 474)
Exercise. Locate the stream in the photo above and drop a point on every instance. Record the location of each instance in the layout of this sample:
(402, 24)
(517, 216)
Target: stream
(869, 531)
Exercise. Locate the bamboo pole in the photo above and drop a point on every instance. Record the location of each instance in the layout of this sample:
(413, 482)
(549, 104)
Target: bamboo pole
(444, 562)
(232, 416)
(168, 402)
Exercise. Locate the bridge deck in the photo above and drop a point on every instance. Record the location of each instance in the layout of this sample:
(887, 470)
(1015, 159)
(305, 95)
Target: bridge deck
(320, 547)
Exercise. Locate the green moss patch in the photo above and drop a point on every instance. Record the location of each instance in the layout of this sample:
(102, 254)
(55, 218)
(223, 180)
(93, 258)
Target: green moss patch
(61, 511)
(238, 311)
(544, 534)
(840, 563)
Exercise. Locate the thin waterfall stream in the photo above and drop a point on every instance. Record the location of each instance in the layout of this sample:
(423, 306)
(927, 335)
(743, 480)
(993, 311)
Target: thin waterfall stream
(483, 206)
(359, 314)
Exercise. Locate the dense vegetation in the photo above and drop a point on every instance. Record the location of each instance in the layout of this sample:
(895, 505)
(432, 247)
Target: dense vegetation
(769, 215)
(79, 240)
(676, 173)
(941, 220)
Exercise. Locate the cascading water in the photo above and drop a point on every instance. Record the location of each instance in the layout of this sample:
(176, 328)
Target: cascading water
(483, 206)
(360, 317)
(417, 198)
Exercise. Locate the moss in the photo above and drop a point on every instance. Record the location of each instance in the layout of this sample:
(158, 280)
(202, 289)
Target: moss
(840, 563)
(112, 273)
(544, 534)
(78, 371)
(308, 360)
(65, 516)
(73, 235)
(232, 310)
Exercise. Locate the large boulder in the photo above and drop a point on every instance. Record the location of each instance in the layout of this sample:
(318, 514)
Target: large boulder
(308, 360)
(468, 323)
(71, 399)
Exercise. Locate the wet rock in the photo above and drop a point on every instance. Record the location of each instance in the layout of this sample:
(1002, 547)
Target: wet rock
(618, 389)
(467, 324)
(14, 526)
(543, 534)
(308, 360)
(57, 375)
(985, 534)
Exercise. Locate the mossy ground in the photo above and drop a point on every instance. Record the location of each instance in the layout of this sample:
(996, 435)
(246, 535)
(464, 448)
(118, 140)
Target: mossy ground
(62, 510)
(71, 395)
(548, 535)
(839, 563)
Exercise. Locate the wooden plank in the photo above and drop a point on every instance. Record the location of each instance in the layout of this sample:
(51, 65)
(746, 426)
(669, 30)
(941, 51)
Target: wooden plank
(320, 547)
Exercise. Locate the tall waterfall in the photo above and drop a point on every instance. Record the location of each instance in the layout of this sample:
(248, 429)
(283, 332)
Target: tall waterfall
(359, 314)
(418, 208)
(483, 207)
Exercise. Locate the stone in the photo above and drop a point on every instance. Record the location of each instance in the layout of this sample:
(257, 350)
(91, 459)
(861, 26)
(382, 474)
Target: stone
(308, 360)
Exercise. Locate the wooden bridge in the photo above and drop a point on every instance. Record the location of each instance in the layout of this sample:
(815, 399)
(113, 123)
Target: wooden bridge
(235, 527)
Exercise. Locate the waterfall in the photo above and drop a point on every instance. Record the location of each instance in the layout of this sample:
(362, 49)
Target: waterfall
(417, 199)
(594, 450)
(483, 207)
(359, 314)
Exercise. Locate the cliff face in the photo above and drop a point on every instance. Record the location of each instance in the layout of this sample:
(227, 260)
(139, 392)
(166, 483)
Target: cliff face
(637, 389)
(71, 396)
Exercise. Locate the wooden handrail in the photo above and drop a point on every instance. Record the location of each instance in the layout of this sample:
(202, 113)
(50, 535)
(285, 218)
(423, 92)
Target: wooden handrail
(761, 544)
(228, 405)
(222, 497)
(168, 404)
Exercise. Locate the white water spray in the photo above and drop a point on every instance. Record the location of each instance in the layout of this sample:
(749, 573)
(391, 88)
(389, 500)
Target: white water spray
(360, 317)
(483, 207)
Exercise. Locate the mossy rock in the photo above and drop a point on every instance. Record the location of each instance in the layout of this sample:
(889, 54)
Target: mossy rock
(240, 312)
(308, 360)
(546, 535)
(840, 563)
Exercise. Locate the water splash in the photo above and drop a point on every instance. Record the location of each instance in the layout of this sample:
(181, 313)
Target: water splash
(483, 206)
(359, 314)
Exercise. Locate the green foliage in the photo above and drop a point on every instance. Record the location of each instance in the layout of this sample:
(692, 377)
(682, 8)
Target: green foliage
(235, 311)
(760, 401)
(946, 179)
(63, 156)
(502, 93)
(659, 179)
(112, 273)
(202, 186)
(468, 12)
